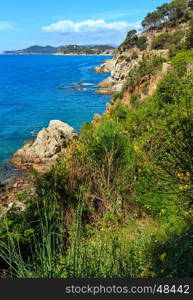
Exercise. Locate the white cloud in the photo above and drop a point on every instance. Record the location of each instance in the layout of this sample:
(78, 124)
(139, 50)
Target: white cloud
(5, 26)
(90, 26)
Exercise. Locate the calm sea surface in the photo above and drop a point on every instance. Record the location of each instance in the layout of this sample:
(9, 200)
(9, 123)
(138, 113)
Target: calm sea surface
(35, 89)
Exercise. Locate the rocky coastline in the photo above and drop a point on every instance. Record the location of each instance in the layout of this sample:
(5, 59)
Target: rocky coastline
(38, 155)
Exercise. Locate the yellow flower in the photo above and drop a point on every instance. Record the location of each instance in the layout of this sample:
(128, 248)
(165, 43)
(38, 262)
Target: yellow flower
(136, 148)
(125, 132)
(163, 256)
(183, 187)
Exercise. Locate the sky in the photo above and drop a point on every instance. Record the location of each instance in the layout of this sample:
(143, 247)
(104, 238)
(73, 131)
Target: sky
(86, 22)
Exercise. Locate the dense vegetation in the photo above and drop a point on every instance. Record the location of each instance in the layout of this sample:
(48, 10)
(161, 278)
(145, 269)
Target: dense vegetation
(167, 40)
(119, 203)
(35, 50)
(189, 39)
(166, 16)
(73, 49)
(169, 14)
(146, 68)
(77, 49)
(133, 40)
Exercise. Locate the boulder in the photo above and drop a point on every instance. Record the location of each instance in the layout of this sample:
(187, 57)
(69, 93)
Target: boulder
(40, 153)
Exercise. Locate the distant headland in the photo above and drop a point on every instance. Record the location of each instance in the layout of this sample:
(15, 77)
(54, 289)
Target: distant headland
(65, 50)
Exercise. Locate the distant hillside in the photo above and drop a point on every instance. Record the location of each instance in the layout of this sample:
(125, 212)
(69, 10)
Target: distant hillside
(65, 50)
(35, 50)
(86, 50)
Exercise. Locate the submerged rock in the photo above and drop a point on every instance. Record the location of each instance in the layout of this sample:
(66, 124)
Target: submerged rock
(40, 153)
(81, 89)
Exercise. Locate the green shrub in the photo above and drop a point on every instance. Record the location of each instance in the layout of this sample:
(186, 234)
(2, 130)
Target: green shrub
(117, 96)
(167, 40)
(189, 38)
(134, 98)
(147, 67)
(132, 40)
(181, 61)
(142, 43)
(119, 201)
(167, 15)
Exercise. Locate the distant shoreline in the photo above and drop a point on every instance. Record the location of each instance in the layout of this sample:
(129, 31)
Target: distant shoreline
(55, 54)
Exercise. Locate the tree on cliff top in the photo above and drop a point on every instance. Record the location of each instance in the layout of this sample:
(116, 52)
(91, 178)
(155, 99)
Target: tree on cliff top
(133, 40)
(168, 14)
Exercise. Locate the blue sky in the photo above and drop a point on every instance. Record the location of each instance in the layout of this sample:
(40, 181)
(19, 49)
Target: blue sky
(47, 22)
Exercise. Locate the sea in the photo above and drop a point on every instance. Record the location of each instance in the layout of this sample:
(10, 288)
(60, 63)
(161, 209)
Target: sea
(35, 89)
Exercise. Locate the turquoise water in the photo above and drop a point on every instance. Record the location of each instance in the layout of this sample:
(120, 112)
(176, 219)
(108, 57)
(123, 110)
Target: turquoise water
(35, 89)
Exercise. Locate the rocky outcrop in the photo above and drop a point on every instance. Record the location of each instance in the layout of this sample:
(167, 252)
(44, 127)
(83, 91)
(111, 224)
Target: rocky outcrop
(40, 153)
(106, 66)
(121, 65)
(126, 59)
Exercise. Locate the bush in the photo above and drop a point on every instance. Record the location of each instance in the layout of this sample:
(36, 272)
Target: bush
(119, 201)
(117, 96)
(134, 98)
(181, 61)
(166, 40)
(147, 67)
(189, 38)
(142, 43)
(167, 15)
(132, 40)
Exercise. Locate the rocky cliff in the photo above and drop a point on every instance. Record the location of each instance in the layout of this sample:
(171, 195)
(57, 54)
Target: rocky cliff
(126, 59)
(120, 66)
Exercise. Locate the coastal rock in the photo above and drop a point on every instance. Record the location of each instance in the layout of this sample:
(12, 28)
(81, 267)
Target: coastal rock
(105, 67)
(96, 118)
(40, 153)
(120, 66)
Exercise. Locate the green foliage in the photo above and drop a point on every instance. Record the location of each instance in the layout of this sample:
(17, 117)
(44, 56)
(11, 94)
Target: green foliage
(119, 202)
(182, 60)
(117, 96)
(32, 240)
(132, 40)
(134, 98)
(147, 67)
(77, 49)
(166, 40)
(189, 38)
(141, 43)
(107, 138)
(168, 14)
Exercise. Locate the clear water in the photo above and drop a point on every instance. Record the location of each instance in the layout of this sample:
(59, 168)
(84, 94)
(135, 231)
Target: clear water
(35, 89)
